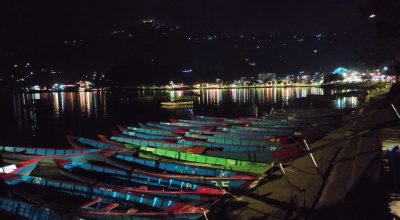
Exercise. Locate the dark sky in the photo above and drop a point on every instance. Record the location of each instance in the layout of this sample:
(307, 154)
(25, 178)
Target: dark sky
(69, 17)
(29, 28)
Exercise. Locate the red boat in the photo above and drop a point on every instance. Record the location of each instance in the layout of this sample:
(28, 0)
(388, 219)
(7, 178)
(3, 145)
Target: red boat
(137, 182)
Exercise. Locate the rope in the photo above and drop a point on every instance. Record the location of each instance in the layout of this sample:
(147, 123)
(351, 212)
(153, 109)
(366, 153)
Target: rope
(230, 193)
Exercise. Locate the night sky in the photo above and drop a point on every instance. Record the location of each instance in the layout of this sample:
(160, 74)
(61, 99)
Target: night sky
(41, 32)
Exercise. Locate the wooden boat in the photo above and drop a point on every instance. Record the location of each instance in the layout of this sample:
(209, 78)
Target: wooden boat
(24, 168)
(178, 126)
(148, 136)
(156, 131)
(154, 207)
(216, 119)
(228, 134)
(199, 122)
(85, 143)
(185, 142)
(144, 142)
(176, 103)
(149, 161)
(291, 122)
(269, 132)
(47, 155)
(214, 177)
(258, 156)
(309, 135)
(239, 141)
(30, 211)
(138, 182)
(228, 164)
(253, 156)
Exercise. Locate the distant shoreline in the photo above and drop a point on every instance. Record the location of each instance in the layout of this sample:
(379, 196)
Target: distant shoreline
(365, 85)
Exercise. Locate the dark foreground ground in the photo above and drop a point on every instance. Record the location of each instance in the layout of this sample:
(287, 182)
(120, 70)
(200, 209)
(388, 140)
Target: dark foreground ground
(348, 184)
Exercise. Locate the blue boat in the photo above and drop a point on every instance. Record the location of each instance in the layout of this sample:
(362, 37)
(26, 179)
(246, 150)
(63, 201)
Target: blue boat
(227, 147)
(139, 182)
(24, 168)
(226, 134)
(266, 132)
(209, 176)
(146, 142)
(175, 126)
(148, 136)
(47, 155)
(154, 207)
(30, 211)
(156, 131)
(85, 143)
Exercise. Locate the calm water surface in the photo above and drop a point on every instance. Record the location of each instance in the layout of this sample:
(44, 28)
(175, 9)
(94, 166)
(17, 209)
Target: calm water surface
(43, 119)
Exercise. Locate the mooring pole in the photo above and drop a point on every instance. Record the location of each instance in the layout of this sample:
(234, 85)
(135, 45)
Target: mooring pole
(395, 111)
(290, 189)
(312, 157)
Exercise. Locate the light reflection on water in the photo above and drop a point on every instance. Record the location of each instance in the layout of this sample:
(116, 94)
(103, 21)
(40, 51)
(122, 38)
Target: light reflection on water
(253, 96)
(97, 104)
(87, 104)
(346, 102)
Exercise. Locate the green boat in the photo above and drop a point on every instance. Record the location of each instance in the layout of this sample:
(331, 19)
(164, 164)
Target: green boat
(154, 131)
(235, 141)
(135, 142)
(255, 170)
(228, 164)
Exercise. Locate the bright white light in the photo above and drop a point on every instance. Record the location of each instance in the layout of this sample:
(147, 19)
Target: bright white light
(372, 15)
(385, 68)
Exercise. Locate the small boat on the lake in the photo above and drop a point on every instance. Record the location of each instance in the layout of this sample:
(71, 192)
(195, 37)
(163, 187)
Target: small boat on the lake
(240, 141)
(176, 103)
(146, 135)
(269, 132)
(47, 155)
(187, 142)
(226, 134)
(228, 164)
(146, 142)
(27, 210)
(106, 143)
(23, 168)
(199, 122)
(176, 126)
(209, 176)
(157, 131)
(75, 193)
(138, 182)
(85, 143)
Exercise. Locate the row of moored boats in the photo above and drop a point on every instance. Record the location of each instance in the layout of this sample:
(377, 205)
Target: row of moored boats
(163, 170)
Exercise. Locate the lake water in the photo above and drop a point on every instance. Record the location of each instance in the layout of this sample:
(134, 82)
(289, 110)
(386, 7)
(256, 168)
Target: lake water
(43, 119)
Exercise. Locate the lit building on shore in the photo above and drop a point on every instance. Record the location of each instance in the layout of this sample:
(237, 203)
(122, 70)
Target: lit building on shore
(266, 77)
